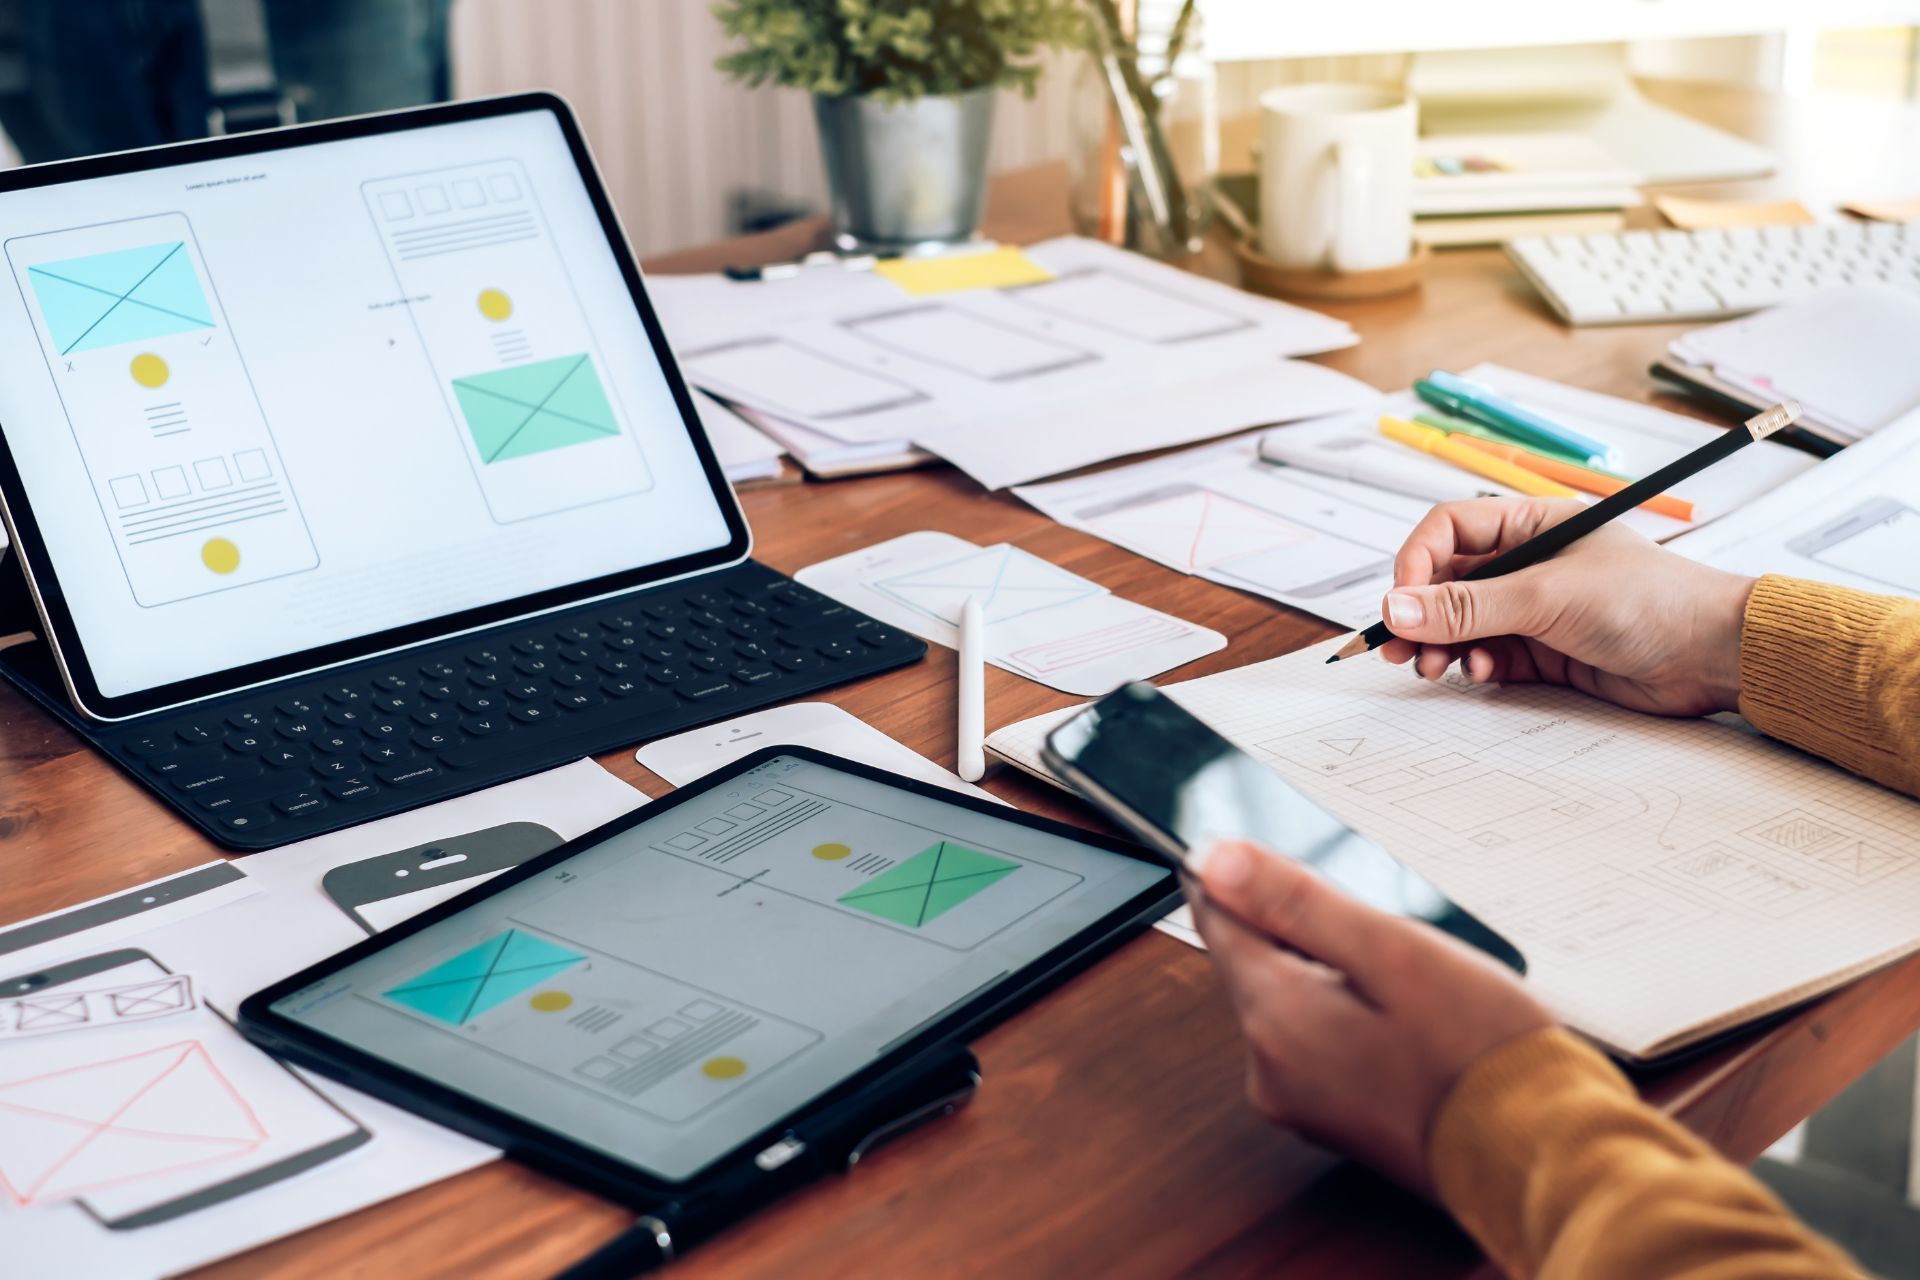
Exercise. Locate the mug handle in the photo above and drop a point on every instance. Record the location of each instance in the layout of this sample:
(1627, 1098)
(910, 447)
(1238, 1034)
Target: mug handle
(1353, 186)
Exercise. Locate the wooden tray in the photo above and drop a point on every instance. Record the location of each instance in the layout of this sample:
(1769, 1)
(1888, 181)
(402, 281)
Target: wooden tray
(1262, 274)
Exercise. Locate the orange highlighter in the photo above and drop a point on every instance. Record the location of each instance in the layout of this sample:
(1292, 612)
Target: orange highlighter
(1575, 476)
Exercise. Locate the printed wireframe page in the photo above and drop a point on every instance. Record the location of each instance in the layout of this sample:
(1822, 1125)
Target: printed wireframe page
(1666, 879)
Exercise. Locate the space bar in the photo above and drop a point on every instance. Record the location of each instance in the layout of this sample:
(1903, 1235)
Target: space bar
(564, 742)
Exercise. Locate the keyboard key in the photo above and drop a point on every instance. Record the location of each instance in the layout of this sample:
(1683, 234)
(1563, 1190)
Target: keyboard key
(753, 673)
(526, 691)
(393, 682)
(438, 671)
(797, 661)
(839, 649)
(281, 758)
(706, 599)
(408, 774)
(295, 803)
(385, 730)
(296, 706)
(247, 720)
(385, 753)
(336, 766)
(705, 662)
(439, 692)
(619, 622)
(433, 717)
(575, 653)
(150, 744)
(347, 717)
(479, 703)
(466, 756)
(248, 744)
(574, 633)
(487, 678)
(481, 726)
(748, 609)
(532, 645)
(619, 666)
(706, 619)
(298, 730)
(395, 703)
(486, 656)
(879, 637)
(245, 818)
(435, 739)
(186, 762)
(619, 688)
(197, 734)
(351, 788)
(668, 675)
(331, 741)
(531, 713)
(535, 667)
(347, 695)
(695, 690)
(702, 641)
(753, 629)
(623, 643)
(753, 652)
(663, 610)
(568, 678)
(578, 700)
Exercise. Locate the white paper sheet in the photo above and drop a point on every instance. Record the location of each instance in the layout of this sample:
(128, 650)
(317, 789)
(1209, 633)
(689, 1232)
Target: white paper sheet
(1326, 546)
(1854, 520)
(1665, 878)
(1846, 355)
(239, 937)
(860, 359)
(694, 754)
(745, 451)
(1043, 622)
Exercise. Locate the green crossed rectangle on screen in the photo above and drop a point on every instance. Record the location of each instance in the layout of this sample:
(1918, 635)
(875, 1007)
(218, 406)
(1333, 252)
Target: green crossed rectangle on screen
(928, 884)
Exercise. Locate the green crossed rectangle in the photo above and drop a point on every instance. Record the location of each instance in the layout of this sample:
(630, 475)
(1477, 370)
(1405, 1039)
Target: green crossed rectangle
(929, 884)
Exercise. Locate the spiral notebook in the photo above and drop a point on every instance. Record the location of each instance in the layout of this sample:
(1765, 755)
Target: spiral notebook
(1668, 880)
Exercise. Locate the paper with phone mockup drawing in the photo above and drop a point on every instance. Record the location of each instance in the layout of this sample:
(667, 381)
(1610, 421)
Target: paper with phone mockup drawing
(1043, 622)
(1666, 879)
(265, 918)
(1853, 521)
(1326, 546)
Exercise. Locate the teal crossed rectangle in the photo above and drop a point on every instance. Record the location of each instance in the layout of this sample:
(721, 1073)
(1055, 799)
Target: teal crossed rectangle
(482, 977)
(128, 295)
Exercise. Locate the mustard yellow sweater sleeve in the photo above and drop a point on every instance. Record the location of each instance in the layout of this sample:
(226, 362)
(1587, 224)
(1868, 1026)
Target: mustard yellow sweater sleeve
(1547, 1156)
(1835, 672)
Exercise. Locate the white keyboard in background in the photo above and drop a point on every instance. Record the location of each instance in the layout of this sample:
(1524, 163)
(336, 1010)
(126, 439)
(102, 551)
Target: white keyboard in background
(1629, 277)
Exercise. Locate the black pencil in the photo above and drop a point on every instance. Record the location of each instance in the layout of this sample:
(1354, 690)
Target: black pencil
(1557, 539)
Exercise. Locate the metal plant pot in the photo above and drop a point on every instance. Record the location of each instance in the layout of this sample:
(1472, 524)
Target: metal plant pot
(905, 174)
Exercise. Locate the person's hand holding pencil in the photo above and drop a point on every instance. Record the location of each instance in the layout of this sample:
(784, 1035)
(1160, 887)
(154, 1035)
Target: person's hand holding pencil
(1613, 615)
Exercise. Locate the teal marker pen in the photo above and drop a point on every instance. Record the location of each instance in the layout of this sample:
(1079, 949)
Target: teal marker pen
(1457, 395)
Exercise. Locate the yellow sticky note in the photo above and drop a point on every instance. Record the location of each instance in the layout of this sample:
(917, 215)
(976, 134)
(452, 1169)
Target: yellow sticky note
(1885, 210)
(1702, 215)
(999, 268)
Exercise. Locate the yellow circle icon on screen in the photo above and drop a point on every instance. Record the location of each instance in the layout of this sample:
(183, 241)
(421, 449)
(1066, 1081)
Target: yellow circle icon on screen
(831, 852)
(723, 1068)
(495, 305)
(551, 1001)
(149, 370)
(220, 555)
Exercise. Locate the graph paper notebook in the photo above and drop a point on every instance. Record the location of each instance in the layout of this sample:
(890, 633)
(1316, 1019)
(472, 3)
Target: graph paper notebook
(1667, 879)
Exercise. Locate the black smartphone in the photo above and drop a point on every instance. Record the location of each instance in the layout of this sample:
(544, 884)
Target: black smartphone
(1172, 781)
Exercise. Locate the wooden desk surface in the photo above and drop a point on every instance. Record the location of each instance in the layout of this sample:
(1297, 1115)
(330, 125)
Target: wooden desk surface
(1111, 1136)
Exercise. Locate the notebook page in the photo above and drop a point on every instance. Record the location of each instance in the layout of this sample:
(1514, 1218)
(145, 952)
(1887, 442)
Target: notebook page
(1665, 878)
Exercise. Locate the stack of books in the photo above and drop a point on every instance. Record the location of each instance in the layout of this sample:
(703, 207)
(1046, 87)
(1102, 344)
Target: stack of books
(1479, 189)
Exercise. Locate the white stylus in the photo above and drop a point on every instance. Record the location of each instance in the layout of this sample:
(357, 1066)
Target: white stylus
(972, 719)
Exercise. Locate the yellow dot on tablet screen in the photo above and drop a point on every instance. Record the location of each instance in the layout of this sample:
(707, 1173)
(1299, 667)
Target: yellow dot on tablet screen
(220, 555)
(831, 852)
(551, 1001)
(149, 370)
(495, 305)
(723, 1068)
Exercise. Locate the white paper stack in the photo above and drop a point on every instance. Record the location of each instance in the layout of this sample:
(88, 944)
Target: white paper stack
(1111, 354)
(1847, 355)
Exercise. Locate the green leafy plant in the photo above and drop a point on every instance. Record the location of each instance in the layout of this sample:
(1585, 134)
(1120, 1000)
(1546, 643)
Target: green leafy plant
(896, 50)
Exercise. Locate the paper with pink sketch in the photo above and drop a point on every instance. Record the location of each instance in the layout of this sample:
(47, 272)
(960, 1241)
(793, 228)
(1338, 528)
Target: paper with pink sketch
(1043, 622)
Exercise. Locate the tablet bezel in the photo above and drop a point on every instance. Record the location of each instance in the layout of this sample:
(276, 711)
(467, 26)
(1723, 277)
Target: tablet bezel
(24, 531)
(543, 1148)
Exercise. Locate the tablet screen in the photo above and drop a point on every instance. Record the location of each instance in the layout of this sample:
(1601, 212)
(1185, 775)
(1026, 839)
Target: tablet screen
(280, 399)
(674, 990)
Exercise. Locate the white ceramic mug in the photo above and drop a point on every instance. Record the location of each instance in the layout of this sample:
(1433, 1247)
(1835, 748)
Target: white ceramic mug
(1336, 176)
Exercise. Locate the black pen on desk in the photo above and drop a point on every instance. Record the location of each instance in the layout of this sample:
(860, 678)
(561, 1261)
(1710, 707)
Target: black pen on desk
(1552, 542)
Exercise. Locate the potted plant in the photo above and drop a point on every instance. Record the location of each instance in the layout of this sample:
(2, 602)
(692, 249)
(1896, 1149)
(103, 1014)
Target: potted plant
(903, 93)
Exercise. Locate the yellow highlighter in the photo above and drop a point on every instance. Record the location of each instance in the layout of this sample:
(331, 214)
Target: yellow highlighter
(1586, 479)
(1448, 449)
